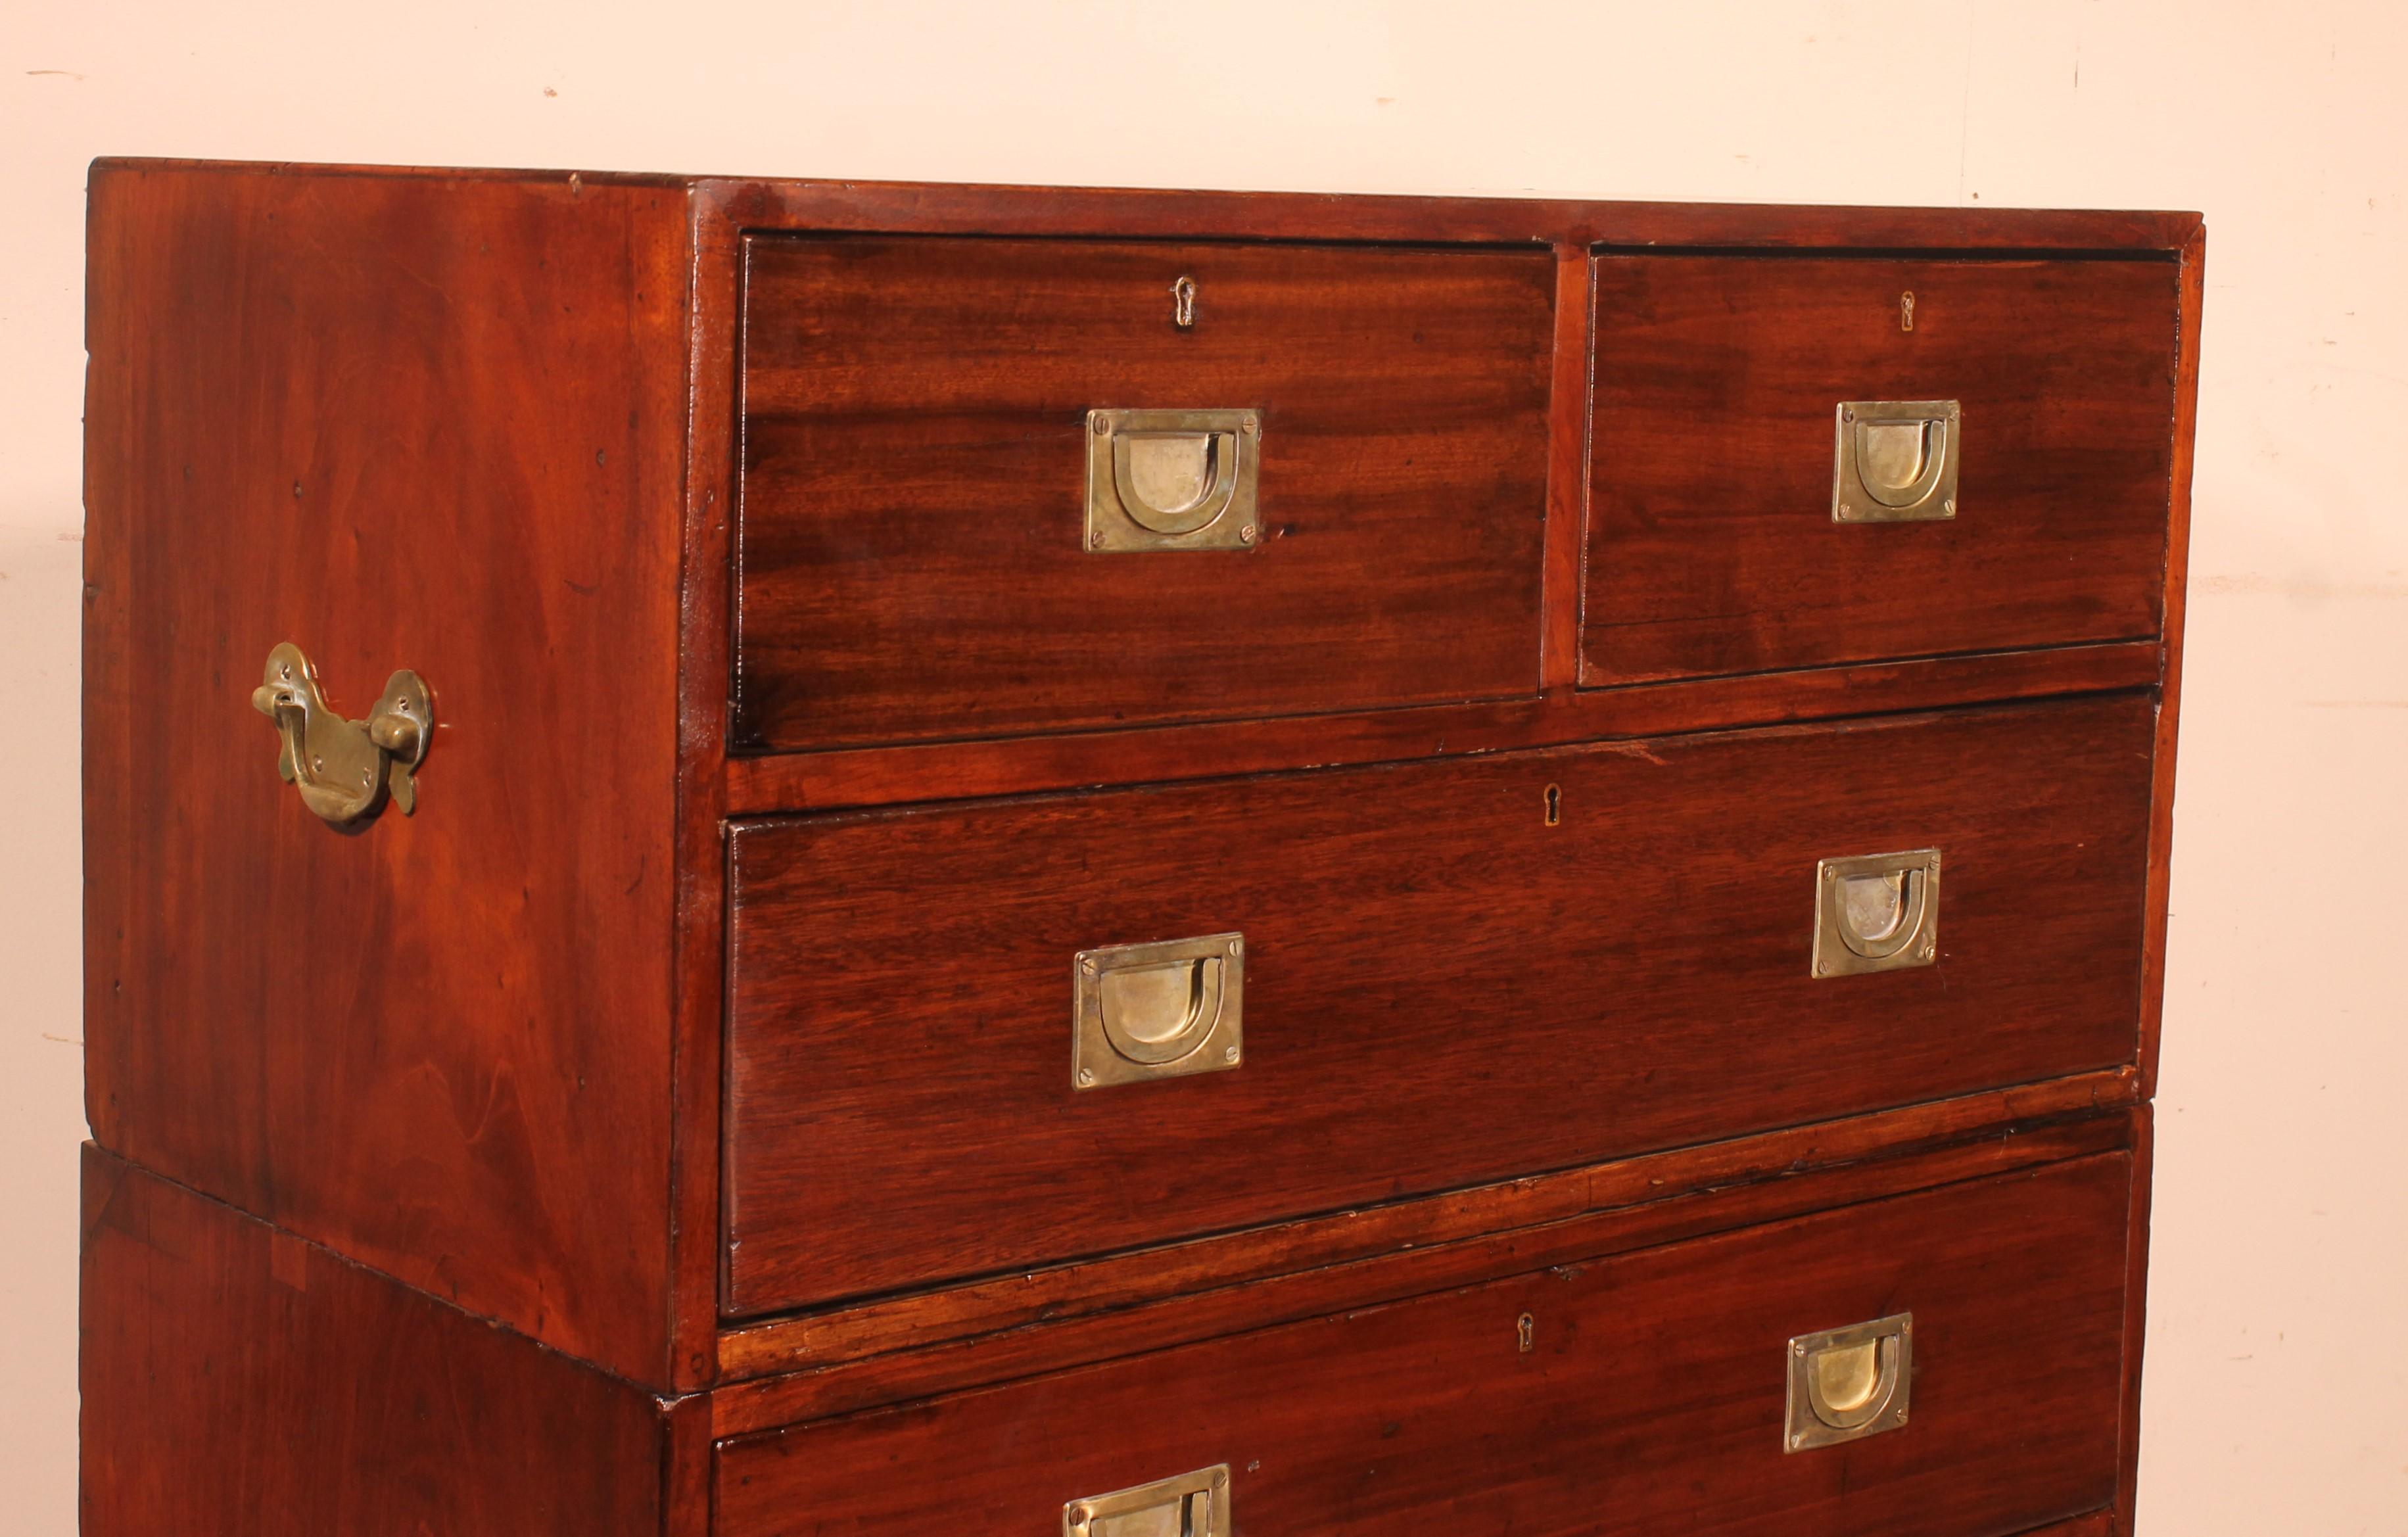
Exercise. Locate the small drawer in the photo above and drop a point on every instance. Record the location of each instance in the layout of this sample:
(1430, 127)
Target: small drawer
(1009, 487)
(1977, 1379)
(1802, 461)
(971, 1040)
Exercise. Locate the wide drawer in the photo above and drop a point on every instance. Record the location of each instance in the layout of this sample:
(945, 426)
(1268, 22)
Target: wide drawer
(1451, 972)
(1745, 405)
(1363, 431)
(1658, 1392)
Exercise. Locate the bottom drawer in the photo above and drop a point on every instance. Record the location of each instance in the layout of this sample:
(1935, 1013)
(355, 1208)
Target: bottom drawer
(1655, 1391)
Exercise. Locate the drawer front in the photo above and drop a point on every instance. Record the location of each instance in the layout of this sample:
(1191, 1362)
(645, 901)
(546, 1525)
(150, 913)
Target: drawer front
(1713, 546)
(919, 446)
(1451, 972)
(1642, 1394)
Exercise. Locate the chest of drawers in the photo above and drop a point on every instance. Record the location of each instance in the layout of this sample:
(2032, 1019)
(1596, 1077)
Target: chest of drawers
(1119, 863)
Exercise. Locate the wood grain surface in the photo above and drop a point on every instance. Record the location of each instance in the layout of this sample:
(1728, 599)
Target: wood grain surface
(1712, 547)
(1649, 1396)
(911, 559)
(238, 1379)
(1442, 989)
(401, 421)
(790, 1368)
(874, 776)
(1168, 214)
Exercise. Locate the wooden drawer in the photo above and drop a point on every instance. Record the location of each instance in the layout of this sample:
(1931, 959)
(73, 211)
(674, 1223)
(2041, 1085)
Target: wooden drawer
(1453, 972)
(913, 558)
(1638, 1394)
(1713, 547)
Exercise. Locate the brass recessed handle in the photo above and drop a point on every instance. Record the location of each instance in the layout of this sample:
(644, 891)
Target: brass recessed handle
(345, 769)
(1172, 480)
(1161, 1009)
(1876, 913)
(1159, 1014)
(1896, 461)
(1845, 1384)
(1192, 1505)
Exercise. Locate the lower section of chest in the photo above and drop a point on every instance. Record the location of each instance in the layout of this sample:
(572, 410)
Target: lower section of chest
(1939, 1348)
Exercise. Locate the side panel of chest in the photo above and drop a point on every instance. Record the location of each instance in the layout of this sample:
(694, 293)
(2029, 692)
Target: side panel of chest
(418, 423)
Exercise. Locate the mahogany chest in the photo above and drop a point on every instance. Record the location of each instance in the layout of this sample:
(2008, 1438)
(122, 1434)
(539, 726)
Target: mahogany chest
(1119, 864)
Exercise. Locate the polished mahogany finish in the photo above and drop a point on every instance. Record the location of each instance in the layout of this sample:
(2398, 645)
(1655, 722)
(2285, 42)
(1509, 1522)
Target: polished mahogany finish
(402, 422)
(670, 1128)
(1712, 547)
(1442, 987)
(238, 1379)
(808, 1365)
(1638, 1394)
(912, 554)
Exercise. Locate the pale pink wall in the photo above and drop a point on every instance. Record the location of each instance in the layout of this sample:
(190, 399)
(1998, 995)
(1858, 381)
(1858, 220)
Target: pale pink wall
(2279, 1344)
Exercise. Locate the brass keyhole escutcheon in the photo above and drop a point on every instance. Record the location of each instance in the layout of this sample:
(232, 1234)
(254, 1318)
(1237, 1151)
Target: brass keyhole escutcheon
(1183, 303)
(1906, 310)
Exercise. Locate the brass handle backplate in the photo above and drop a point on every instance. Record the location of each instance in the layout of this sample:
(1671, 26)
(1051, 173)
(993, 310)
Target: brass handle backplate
(1847, 1383)
(1160, 480)
(345, 769)
(1164, 1009)
(1876, 913)
(1896, 461)
(1195, 1504)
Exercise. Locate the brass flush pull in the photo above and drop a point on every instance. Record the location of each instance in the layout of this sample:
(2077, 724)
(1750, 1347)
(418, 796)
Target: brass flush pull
(1194, 1504)
(1876, 913)
(1157, 1010)
(1847, 1383)
(1896, 461)
(344, 770)
(1171, 480)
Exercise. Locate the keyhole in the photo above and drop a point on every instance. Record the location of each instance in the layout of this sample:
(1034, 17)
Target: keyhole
(1524, 1328)
(1554, 805)
(1183, 303)
(1906, 310)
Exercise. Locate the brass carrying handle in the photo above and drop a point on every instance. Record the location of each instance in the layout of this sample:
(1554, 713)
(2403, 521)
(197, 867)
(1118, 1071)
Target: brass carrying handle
(1172, 480)
(1897, 461)
(1192, 1505)
(1876, 913)
(1160, 1012)
(1845, 1384)
(1219, 454)
(1881, 912)
(1163, 1009)
(345, 769)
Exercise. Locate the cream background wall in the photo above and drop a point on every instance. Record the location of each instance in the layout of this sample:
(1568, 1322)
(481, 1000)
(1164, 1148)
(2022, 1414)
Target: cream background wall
(2277, 1380)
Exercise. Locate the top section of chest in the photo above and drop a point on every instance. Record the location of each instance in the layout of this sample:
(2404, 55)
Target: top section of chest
(583, 539)
(1062, 487)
